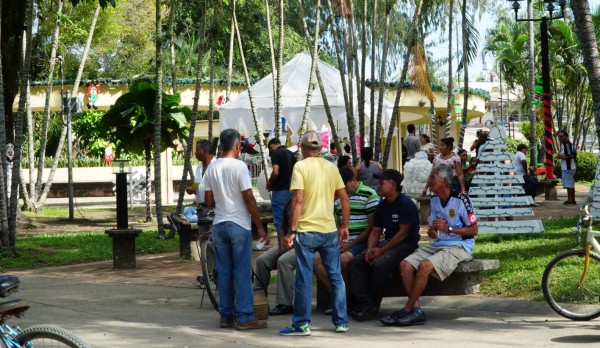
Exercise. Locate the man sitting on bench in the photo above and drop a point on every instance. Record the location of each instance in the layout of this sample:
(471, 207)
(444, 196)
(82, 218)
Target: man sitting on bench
(452, 226)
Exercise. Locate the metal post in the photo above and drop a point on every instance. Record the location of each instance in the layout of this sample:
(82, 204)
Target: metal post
(121, 190)
(549, 162)
(70, 156)
(501, 95)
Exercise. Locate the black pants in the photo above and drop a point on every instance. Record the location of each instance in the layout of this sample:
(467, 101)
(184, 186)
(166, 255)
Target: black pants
(368, 281)
(530, 186)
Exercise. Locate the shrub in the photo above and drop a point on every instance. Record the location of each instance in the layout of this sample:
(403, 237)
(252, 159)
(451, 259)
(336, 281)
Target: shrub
(586, 163)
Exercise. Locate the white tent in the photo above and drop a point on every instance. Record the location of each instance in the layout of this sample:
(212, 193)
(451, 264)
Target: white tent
(295, 80)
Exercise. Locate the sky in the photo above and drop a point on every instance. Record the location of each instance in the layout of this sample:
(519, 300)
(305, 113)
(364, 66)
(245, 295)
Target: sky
(483, 24)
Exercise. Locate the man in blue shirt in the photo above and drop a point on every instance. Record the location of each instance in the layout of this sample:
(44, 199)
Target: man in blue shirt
(453, 227)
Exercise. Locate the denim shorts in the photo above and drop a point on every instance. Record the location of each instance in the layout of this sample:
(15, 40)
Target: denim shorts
(357, 249)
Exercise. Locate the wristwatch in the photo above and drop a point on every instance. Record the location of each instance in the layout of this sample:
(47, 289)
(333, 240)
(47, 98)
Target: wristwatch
(450, 229)
(294, 231)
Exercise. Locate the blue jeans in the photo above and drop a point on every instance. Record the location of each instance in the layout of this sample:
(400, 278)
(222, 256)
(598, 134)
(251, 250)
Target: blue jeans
(305, 245)
(233, 245)
(278, 201)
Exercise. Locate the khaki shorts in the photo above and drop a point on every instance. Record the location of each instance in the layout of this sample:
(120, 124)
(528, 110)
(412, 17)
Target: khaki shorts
(444, 259)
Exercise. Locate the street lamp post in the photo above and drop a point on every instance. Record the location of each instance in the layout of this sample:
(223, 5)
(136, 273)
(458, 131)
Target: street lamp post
(549, 162)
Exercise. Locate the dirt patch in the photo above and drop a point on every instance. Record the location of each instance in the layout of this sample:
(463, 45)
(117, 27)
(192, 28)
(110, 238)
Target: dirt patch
(84, 221)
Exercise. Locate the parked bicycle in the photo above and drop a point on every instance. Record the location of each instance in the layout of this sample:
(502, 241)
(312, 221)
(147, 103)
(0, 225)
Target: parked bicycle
(208, 260)
(37, 336)
(571, 281)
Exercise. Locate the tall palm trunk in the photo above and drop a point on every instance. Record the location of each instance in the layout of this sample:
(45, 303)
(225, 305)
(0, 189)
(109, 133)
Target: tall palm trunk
(320, 81)
(157, 122)
(63, 134)
(35, 191)
(374, 43)
(211, 88)
(278, 104)
(187, 166)
(16, 165)
(4, 240)
(382, 75)
(274, 73)
(412, 40)
(339, 53)
(148, 157)
(30, 151)
(450, 104)
(230, 60)
(348, 40)
(257, 125)
(363, 70)
(589, 47)
(313, 66)
(172, 46)
(531, 87)
(465, 62)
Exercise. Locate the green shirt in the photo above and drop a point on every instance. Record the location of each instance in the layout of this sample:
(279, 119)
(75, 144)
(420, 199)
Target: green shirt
(362, 205)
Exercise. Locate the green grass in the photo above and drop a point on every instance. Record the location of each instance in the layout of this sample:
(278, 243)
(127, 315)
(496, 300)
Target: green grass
(585, 183)
(523, 258)
(69, 248)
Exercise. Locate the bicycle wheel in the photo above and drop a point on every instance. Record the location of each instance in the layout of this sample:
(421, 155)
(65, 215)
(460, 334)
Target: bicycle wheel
(49, 336)
(560, 284)
(208, 258)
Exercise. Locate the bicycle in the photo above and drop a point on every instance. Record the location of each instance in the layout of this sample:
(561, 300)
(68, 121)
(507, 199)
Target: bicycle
(208, 261)
(571, 281)
(35, 336)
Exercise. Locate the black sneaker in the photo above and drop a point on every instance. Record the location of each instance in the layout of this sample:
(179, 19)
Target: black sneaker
(414, 317)
(367, 313)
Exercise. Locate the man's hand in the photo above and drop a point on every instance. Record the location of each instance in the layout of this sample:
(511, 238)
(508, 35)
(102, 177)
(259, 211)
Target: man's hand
(288, 241)
(264, 235)
(374, 255)
(189, 190)
(343, 234)
(432, 233)
(344, 247)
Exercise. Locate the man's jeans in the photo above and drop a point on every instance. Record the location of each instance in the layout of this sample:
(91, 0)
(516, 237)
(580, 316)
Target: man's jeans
(278, 201)
(305, 244)
(234, 259)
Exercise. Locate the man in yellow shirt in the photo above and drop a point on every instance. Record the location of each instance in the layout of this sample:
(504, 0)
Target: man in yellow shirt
(315, 183)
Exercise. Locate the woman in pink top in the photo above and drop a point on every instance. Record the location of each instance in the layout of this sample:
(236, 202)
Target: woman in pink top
(447, 156)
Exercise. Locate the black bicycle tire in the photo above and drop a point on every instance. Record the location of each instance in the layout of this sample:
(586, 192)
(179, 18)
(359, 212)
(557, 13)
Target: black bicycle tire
(592, 274)
(51, 332)
(209, 271)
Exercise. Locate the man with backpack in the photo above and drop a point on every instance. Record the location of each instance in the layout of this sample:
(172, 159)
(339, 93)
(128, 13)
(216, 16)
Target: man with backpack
(567, 155)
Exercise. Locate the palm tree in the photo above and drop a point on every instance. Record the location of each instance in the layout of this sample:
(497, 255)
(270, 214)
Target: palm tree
(157, 126)
(531, 85)
(172, 46)
(257, 125)
(589, 47)
(313, 67)
(4, 240)
(131, 122)
(449, 105)
(278, 105)
(274, 70)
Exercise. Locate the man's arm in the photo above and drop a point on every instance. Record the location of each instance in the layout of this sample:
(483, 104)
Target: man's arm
(250, 203)
(465, 231)
(274, 175)
(209, 199)
(398, 238)
(296, 210)
(343, 229)
(361, 238)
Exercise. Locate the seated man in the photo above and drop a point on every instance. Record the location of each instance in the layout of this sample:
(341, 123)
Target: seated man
(397, 218)
(452, 226)
(363, 201)
(522, 169)
(284, 260)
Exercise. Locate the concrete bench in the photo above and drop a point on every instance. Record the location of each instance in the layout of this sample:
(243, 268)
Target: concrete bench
(424, 209)
(549, 188)
(463, 281)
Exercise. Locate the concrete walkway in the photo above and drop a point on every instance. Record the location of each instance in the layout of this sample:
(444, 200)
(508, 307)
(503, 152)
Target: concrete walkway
(159, 305)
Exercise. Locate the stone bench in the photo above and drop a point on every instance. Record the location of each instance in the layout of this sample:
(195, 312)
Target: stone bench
(463, 281)
(187, 236)
(549, 188)
(424, 209)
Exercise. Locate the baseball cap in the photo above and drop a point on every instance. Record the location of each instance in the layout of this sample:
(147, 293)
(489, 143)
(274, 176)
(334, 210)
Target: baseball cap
(311, 139)
(391, 174)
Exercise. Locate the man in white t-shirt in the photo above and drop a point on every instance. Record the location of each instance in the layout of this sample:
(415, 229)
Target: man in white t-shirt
(229, 192)
(522, 169)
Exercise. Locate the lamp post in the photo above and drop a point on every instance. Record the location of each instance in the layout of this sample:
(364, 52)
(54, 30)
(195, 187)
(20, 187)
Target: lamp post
(549, 162)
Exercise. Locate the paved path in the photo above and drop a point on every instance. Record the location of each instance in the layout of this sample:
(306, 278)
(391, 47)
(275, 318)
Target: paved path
(158, 305)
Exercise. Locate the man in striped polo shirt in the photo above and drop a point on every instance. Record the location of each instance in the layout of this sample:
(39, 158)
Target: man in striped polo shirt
(363, 201)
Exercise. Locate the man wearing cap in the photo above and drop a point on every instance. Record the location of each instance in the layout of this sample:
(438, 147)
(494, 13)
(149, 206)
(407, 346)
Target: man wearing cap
(315, 183)
(363, 201)
(453, 227)
(397, 218)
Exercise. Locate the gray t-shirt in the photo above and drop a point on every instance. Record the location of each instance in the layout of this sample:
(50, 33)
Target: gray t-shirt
(413, 145)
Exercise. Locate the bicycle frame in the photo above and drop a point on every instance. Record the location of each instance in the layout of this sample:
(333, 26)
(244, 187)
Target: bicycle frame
(7, 335)
(590, 241)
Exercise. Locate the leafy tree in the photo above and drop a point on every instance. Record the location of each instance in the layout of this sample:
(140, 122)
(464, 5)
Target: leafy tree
(131, 122)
